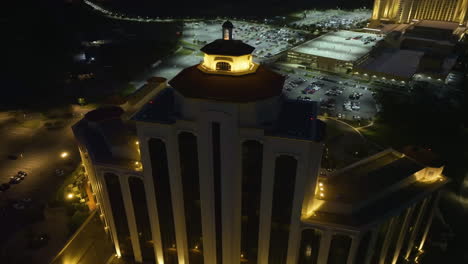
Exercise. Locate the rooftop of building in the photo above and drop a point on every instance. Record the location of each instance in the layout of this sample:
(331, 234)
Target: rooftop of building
(395, 62)
(341, 45)
(298, 119)
(160, 109)
(358, 182)
(261, 84)
(382, 184)
(107, 138)
(445, 25)
(230, 47)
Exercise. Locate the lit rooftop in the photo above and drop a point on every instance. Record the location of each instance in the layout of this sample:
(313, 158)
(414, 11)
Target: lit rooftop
(340, 45)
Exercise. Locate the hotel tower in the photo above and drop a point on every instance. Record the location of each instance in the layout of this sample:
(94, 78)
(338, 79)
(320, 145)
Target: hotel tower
(219, 168)
(405, 11)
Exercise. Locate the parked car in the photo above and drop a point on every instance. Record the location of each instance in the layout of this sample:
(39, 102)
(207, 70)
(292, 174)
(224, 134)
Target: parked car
(4, 187)
(15, 179)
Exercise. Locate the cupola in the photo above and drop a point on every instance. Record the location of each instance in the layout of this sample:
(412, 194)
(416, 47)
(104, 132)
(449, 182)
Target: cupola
(228, 56)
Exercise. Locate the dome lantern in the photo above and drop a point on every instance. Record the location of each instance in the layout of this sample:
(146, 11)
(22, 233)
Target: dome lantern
(227, 30)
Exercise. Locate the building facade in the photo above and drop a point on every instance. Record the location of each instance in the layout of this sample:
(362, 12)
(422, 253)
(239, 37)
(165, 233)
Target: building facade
(220, 168)
(405, 11)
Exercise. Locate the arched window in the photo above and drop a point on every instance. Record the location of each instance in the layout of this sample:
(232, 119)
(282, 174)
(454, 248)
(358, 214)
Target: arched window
(223, 66)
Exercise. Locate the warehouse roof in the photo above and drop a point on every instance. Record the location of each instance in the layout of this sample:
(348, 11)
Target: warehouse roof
(341, 45)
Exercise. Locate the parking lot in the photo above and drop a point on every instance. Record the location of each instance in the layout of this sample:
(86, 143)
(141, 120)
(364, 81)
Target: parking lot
(332, 18)
(343, 98)
(267, 40)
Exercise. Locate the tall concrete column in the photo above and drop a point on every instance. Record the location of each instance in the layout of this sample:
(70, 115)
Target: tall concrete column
(402, 234)
(416, 229)
(356, 240)
(294, 228)
(151, 199)
(324, 249)
(177, 196)
(376, 10)
(231, 188)
(371, 248)
(110, 216)
(388, 239)
(429, 221)
(268, 171)
(129, 211)
(205, 163)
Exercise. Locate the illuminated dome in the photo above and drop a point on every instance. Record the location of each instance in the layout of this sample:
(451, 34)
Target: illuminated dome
(228, 73)
(228, 56)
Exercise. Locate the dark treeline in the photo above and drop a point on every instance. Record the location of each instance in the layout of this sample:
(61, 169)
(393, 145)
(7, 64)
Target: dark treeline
(230, 8)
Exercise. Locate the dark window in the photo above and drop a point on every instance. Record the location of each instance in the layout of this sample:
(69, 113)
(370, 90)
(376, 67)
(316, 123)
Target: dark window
(283, 194)
(380, 240)
(191, 191)
(162, 189)
(339, 249)
(425, 220)
(252, 157)
(399, 220)
(411, 228)
(310, 246)
(363, 247)
(216, 144)
(223, 66)
(137, 190)
(118, 211)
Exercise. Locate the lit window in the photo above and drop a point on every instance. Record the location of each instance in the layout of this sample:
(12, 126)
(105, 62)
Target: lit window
(226, 34)
(223, 66)
(308, 251)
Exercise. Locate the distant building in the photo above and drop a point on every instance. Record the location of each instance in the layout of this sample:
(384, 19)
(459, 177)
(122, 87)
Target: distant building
(335, 51)
(406, 11)
(426, 47)
(220, 168)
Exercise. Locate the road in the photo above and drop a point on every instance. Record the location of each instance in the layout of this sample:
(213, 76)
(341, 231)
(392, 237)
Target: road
(38, 150)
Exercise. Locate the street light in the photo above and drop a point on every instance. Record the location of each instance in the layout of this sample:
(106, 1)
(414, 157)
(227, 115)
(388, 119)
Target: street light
(64, 154)
(70, 195)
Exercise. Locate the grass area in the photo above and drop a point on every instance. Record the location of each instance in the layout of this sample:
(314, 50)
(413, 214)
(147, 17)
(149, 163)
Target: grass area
(333, 130)
(59, 198)
(77, 211)
(186, 43)
(184, 51)
(128, 90)
(383, 135)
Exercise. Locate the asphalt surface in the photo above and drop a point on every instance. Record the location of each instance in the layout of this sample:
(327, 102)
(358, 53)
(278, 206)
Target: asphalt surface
(38, 150)
(329, 82)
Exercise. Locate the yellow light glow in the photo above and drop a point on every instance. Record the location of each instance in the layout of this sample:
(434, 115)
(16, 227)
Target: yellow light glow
(238, 64)
(137, 143)
(322, 195)
(316, 205)
(64, 155)
(70, 195)
(320, 184)
(321, 188)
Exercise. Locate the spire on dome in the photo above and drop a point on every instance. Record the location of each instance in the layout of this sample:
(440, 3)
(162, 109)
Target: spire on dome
(227, 30)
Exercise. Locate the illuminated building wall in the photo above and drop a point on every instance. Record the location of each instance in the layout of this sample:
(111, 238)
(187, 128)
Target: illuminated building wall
(404, 11)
